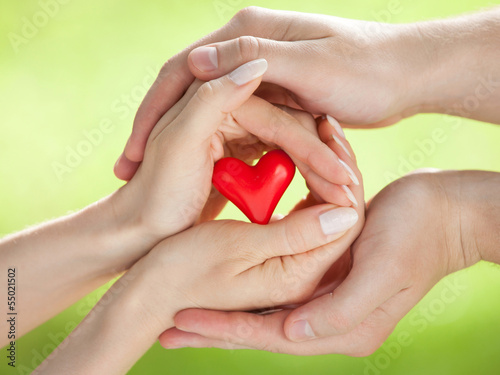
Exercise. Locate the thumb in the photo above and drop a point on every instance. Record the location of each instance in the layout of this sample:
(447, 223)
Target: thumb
(217, 59)
(365, 288)
(215, 99)
(304, 230)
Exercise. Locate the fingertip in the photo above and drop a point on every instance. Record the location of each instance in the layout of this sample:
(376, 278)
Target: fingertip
(125, 169)
(173, 338)
(135, 147)
(204, 59)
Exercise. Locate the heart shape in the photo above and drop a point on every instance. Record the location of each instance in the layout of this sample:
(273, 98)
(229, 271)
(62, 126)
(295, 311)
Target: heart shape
(255, 190)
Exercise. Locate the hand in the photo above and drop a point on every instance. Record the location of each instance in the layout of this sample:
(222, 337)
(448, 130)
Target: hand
(418, 229)
(219, 264)
(365, 74)
(214, 119)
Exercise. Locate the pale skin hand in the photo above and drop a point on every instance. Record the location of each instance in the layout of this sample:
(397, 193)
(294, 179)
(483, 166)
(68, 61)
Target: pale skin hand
(59, 259)
(364, 74)
(218, 264)
(232, 265)
(418, 229)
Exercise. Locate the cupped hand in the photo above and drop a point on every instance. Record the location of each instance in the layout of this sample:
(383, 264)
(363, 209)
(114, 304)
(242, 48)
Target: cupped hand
(234, 265)
(415, 234)
(215, 119)
(356, 71)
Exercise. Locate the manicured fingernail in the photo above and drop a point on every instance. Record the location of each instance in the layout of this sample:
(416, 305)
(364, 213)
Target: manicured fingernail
(248, 72)
(338, 220)
(341, 144)
(349, 195)
(350, 172)
(301, 331)
(205, 58)
(335, 125)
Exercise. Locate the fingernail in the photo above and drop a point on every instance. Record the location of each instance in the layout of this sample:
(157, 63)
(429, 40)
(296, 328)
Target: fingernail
(341, 144)
(205, 58)
(349, 195)
(248, 72)
(338, 220)
(335, 125)
(300, 331)
(350, 172)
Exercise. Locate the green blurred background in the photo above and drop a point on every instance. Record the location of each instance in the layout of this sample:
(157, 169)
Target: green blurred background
(92, 61)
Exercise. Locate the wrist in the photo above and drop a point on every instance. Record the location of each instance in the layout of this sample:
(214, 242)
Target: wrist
(452, 63)
(121, 238)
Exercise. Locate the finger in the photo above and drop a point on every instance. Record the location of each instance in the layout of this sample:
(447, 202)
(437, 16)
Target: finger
(125, 169)
(367, 286)
(176, 109)
(331, 193)
(236, 328)
(273, 125)
(213, 100)
(304, 230)
(265, 332)
(174, 338)
(261, 332)
(276, 94)
(332, 133)
(286, 58)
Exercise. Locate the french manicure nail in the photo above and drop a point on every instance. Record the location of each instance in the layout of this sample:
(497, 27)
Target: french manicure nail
(248, 72)
(341, 144)
(301, 330)
(349, 195)
(338, 220)
(205, 58)
(350, 172)
(335, 125)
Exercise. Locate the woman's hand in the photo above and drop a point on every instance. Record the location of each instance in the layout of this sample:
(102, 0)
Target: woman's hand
(365, 74)
(212, 120)
(218, 265)
(418, 230)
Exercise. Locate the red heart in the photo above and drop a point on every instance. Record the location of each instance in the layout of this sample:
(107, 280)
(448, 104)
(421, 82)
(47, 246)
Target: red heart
(255, 190)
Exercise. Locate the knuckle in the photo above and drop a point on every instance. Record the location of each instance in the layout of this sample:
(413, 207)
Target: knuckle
(276, 126)
(248, 47)
(296, 239)
(207, 92)
(246, 15)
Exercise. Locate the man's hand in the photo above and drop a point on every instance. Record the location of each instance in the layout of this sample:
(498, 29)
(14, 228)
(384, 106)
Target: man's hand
(418, 230)
(364, 74)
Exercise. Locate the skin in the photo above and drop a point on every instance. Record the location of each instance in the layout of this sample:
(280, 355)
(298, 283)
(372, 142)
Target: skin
(157, 222)
(418, 230)
(86, 249)
(364, 74)
(439, 66)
